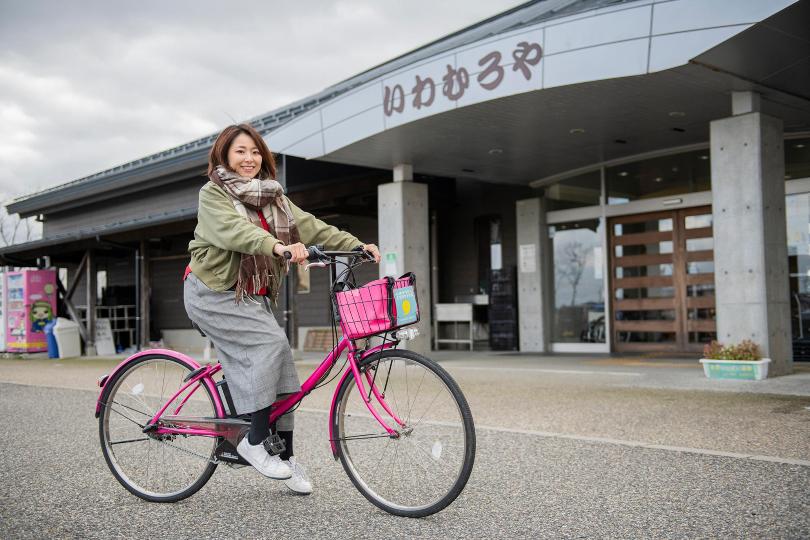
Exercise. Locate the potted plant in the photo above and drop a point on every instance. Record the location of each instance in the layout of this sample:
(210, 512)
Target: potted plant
(741, 361)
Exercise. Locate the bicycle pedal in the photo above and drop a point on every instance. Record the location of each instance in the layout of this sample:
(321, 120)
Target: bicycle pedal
(274, 444)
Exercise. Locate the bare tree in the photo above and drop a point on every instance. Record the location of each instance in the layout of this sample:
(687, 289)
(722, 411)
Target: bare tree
(15, 230)
(572, 262)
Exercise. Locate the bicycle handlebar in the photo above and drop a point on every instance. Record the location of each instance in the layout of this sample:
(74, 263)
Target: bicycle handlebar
(317, 254)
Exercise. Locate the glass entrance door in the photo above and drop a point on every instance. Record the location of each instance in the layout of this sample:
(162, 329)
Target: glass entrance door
(662, 281)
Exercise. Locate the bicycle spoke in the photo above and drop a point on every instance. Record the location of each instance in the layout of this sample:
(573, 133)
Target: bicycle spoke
(419, 472)
(368, 436)
(431, 479)
(407, 392)
(128, 441)
(133, 409)
(438, 393)
(136, 396)
(383, 454)
(128, 418)
(155, 471)
(430, 457)
(410, 407)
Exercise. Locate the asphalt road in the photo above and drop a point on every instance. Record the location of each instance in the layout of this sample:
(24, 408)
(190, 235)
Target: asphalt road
(54, 483)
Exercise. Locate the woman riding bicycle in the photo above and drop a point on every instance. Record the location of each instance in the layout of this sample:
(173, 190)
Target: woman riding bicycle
(245, 224)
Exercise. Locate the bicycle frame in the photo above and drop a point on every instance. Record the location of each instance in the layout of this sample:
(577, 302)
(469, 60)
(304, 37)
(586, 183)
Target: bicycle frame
(231, 428)
(221, 426)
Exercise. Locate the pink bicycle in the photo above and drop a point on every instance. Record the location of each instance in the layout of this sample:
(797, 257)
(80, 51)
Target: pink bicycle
(398, 422)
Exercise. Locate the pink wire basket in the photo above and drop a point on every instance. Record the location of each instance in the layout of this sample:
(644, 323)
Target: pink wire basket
(378, 306)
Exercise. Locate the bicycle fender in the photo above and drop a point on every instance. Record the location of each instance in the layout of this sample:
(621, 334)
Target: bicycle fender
(347, 373)
(190, 362)
(333, 411)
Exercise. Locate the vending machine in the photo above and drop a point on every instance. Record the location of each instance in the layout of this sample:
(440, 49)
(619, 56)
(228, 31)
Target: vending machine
(30, 305)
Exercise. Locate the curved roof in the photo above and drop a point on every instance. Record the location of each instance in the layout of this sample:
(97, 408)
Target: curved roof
(578, 41)
(609, 41)
(194, 152)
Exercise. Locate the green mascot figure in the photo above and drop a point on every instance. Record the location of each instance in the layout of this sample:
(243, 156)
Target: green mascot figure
(41, 314)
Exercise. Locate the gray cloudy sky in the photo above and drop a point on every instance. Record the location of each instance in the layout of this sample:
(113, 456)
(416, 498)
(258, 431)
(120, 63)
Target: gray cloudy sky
(90, 84)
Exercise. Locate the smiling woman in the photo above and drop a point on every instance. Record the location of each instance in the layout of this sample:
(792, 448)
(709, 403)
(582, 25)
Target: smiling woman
(245, 227)
(244, 157)
(244, 151)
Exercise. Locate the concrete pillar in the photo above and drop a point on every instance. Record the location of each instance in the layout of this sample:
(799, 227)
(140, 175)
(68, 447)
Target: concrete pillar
(405, 245)
(90, 277)
(745, 102)
(534, 294)
(750, 244)
(145, 290)
(403, 172)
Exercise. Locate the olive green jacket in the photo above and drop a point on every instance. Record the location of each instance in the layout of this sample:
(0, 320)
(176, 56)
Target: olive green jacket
(223, 234)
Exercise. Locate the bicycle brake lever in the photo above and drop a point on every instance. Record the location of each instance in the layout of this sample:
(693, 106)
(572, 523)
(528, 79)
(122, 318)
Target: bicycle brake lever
(319, 264)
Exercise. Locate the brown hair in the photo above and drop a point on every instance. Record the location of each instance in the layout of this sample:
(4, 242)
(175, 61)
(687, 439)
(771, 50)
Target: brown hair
(219, 152)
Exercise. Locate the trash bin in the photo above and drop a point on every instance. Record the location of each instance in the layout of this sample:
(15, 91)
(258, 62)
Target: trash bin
(53, 349)
(66, 333)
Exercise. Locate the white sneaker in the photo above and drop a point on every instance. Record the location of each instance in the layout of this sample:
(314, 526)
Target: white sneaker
(270, 466)
(298, 482)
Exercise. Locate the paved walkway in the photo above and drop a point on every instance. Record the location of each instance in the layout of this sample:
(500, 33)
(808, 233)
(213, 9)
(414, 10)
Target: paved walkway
(568, 447)
(630, 401)
(617, 371)
(630, 371)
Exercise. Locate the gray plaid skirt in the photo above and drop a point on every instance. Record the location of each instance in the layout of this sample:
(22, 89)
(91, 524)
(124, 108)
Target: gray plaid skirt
(252, 348)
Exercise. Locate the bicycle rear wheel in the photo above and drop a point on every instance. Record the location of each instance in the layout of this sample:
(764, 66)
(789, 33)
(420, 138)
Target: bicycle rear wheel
(155, 468)
(427, 466)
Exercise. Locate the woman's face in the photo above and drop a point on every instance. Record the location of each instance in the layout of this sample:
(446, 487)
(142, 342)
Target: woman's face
(244, 157)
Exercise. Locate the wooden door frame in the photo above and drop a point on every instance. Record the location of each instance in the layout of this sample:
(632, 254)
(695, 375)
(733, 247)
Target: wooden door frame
(679, 280)
(694, 325)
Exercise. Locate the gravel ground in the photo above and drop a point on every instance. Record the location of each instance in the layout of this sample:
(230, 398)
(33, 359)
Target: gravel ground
(55, 483)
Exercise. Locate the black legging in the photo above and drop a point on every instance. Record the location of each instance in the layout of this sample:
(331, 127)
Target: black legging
(260, 429)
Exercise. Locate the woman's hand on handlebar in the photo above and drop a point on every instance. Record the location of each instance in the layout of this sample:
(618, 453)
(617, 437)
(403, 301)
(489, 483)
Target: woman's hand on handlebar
(298, 252)
(372, 250)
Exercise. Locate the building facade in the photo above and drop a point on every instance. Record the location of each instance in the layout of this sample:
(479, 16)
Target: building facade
(641, 168)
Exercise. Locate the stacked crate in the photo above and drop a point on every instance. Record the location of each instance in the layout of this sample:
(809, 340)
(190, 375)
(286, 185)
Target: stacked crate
(503, 329)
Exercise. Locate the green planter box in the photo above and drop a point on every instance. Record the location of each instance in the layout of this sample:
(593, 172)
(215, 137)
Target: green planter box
(736, 369)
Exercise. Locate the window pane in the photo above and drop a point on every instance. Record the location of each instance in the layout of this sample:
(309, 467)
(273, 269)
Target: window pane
(699, 244)
(582, 190)
(579, 307)
(644, 249)
(659, 177)
(702, 337)
(707, 314)
(647, 337)
(639, 271)
(645, 292)
(797, 210)
(646, 315)
(700, 267)
(698, 222)
(797, 158)
(653, 225)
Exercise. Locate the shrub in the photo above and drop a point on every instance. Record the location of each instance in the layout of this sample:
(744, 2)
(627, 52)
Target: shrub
(745, 350)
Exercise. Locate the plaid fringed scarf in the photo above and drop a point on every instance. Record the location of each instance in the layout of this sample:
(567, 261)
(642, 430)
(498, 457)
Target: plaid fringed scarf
(251, 196)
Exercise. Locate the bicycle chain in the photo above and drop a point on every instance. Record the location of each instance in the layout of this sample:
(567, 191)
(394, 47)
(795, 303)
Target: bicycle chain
(215, 461)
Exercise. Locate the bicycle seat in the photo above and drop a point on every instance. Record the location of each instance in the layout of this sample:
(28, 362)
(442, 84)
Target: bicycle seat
(198, 329)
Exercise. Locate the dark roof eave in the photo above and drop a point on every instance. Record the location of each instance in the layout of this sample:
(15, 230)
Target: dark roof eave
(106, 187)
(84, 234)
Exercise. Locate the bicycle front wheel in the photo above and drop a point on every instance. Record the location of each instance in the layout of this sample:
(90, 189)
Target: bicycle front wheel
(427, 466)
(156, 468)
